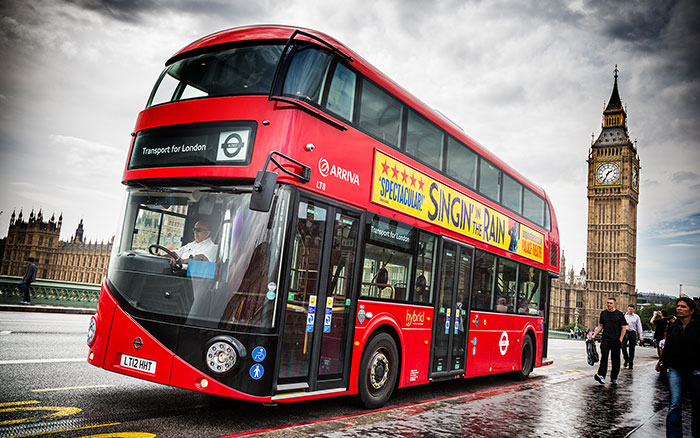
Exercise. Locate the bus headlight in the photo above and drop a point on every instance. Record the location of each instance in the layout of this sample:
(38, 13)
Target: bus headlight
(223, 354)
(91, 330)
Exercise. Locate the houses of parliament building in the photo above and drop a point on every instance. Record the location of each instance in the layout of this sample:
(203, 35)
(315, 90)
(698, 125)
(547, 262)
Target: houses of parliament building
(611, 249)
(74, 260)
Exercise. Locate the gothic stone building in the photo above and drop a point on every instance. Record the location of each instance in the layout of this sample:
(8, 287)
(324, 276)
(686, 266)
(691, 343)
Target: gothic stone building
(611, 251)
(73, 260)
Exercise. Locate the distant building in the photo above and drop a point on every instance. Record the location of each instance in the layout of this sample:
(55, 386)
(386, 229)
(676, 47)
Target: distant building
(647, 299)
(73, 260)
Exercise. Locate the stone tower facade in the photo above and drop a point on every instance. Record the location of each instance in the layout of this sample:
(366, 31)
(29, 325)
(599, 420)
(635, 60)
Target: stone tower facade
(611, 253)
(613, 195)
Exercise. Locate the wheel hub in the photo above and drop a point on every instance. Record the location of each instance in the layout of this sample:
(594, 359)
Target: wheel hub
(379, 371)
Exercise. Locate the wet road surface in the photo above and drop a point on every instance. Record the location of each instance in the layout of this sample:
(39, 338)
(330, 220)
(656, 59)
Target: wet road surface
(559, 401)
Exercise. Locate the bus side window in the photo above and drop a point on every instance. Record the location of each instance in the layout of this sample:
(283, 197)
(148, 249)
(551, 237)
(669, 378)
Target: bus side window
(425, 269)
(505, 286)
(484, 269)
(385, 273)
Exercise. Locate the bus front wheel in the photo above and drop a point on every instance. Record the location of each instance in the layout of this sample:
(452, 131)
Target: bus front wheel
(527, 359)
(379, 370)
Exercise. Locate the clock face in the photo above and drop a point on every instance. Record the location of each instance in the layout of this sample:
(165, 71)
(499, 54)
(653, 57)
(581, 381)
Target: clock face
(608, 173)
(635, 177)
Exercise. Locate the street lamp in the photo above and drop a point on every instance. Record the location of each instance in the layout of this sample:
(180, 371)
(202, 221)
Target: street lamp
(576, 320)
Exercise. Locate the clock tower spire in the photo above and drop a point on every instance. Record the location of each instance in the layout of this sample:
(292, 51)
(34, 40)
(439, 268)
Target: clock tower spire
(613, 195)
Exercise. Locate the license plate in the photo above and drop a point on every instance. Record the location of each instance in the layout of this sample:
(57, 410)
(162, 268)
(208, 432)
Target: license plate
(136, 363)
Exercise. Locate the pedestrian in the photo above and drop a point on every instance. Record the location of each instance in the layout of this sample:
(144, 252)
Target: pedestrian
(613, 325)
(660, 321)
(27, 280)
(634, 332)
(681, 359)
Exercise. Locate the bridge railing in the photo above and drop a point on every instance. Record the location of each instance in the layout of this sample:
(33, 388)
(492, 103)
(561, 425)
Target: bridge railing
(59, 293)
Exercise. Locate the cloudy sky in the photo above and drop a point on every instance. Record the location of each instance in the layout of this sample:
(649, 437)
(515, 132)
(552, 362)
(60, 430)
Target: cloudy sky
(527, 79)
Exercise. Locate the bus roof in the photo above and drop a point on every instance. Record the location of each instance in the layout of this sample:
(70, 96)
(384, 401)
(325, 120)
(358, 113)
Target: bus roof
(282, 33)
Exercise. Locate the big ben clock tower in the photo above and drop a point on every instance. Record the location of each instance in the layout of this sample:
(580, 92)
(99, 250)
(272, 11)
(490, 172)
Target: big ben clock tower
(613, 194)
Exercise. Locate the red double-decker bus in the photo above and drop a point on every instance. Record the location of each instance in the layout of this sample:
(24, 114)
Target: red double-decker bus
(298, 226)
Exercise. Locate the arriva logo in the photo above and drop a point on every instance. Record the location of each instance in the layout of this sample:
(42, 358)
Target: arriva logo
(326, 169)
(414, 318)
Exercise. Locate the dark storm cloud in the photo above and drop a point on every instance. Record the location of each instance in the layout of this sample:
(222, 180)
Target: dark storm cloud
(680, 177)
(123, 10)
(135, 10)
(639, 22)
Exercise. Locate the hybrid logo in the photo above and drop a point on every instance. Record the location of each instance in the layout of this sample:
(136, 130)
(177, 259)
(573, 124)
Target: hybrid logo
(414, 318)
(327, 169)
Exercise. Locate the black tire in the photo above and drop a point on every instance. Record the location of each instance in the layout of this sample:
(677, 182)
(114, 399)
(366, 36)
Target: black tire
(379, 369)
(527, 359)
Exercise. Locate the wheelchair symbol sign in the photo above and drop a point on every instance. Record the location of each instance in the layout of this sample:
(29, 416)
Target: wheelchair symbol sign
(259, 354)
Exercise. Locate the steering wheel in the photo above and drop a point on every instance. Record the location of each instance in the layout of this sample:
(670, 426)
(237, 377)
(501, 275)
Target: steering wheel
(177, 264)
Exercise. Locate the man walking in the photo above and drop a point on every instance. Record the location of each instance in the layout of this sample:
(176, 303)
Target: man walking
(27, 280)
(660, 321)
(614, 326)
(635, 331)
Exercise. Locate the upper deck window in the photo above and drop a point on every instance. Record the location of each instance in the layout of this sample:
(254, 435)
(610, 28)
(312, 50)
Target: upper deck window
(489, 179)
(380, 113)
(512, 193)
(533, 207)
(461, 163)
(239, 71)
(341, 95)
(307, 74)
(424, 140)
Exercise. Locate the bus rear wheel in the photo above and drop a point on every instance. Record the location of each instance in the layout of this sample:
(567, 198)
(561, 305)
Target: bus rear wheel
(527, 360)
(379, 370)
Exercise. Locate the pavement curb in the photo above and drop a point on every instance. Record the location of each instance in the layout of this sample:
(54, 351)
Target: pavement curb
(46, 309)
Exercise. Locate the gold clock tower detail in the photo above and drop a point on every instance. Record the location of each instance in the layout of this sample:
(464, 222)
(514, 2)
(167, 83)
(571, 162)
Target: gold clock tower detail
(613, 194)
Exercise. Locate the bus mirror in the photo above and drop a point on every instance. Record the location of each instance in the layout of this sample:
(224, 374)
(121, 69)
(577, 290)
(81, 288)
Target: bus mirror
(263, 189)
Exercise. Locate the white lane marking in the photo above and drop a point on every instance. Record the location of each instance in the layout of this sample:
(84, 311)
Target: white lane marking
(70, 388)
(29, 361)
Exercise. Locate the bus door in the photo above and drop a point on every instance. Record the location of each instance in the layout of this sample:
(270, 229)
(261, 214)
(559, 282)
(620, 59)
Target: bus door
(451, 312)
(315, 338)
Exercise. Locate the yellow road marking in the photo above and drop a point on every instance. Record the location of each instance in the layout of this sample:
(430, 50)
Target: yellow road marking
(59, 412)
(69, 388)
(84, 427)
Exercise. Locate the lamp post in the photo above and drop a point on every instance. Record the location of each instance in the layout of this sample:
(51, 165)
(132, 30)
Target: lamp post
(576, 321)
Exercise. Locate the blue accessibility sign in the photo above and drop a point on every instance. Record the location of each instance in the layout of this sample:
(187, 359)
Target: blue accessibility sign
(259, 354)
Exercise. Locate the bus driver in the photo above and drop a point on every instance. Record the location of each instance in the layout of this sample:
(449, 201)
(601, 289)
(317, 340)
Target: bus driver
(202, 247)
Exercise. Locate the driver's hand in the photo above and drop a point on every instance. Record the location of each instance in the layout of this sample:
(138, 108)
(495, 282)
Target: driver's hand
(201, 257)
(173, 260)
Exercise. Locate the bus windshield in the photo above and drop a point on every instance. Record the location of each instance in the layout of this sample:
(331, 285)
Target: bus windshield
(201, 256)
(239, 71)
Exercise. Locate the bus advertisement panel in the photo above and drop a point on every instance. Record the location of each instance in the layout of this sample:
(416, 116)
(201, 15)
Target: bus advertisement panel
(406, 189)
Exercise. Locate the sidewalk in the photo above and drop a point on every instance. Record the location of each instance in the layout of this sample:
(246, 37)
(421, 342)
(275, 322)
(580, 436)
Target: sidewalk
(43, 308)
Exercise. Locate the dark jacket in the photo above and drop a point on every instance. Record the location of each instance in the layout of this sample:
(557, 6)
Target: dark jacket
(682, 349)
(30, 275)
